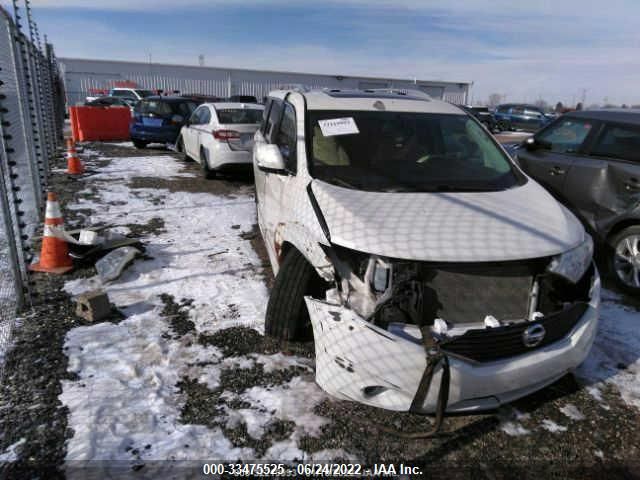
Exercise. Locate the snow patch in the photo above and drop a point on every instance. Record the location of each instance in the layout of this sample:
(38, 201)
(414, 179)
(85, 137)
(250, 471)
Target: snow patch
(293, 401)
(552, 426)
(571, 411)
(514, 429)
(127, 396)
(615, 356)
(11, 453)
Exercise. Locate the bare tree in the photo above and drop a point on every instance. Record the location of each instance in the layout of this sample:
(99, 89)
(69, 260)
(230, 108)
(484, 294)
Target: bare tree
(559, 107)
(541, 104)
(494, 100)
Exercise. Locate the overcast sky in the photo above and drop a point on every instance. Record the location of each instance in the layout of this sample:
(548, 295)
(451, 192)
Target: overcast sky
(524, 50)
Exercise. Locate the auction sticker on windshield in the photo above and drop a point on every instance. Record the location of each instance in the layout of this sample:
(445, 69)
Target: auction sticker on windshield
(338, 126)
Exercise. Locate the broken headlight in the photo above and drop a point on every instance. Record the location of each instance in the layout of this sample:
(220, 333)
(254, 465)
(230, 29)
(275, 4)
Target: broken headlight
(573, 264)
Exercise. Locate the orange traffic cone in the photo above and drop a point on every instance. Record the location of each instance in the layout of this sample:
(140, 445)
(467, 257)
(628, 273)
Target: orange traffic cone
(54, 255)
(74, 165)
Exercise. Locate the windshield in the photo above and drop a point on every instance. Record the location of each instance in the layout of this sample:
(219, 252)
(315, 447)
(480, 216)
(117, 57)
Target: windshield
(239, 115)
(394, 151)
(144, 93)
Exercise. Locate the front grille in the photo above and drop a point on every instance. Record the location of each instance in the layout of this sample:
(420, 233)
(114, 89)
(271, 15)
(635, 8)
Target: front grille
(467, 293)
(486, 345)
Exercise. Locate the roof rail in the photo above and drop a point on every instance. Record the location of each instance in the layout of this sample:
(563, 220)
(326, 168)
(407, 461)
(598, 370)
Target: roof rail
(296, 87)
(402, 91)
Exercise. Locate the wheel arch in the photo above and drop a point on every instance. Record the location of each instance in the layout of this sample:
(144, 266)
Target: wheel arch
(621, 225)
(290, 236)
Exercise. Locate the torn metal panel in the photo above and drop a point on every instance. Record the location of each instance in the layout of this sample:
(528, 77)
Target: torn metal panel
(111, 265)
(598, 191)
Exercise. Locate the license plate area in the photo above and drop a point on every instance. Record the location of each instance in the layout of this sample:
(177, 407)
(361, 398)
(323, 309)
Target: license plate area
(152, 122)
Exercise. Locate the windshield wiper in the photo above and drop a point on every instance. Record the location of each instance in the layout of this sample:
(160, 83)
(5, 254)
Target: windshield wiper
(343, 183)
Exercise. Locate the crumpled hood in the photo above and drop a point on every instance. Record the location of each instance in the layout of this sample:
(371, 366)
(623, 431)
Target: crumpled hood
(523, 222)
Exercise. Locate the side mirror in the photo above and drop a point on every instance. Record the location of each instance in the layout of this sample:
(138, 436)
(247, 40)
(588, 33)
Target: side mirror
(531, 144)
(269, 159)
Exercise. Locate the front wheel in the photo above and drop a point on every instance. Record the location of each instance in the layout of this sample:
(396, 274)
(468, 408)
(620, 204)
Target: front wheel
(287, 317)
(140, 143)
(624, 259)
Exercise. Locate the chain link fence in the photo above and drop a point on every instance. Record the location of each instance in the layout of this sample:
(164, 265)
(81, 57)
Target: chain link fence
(31, 126)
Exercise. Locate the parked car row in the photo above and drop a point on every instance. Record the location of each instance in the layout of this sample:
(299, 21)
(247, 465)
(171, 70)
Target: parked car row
(159, 119)
(508, 117)
(521, 117)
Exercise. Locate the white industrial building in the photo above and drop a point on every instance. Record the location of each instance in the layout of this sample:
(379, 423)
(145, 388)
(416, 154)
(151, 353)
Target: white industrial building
(85, 77)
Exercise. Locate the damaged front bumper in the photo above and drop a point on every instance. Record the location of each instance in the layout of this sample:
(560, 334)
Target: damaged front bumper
(359, 361)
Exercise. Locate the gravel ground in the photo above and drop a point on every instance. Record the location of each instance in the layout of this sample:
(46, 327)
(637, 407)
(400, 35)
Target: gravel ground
(528, 439)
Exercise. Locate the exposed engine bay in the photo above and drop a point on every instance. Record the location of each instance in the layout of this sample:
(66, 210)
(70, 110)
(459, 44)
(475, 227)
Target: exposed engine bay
(434, 337)
(451, 299)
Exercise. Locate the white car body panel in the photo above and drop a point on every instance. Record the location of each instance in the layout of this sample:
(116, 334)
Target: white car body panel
(522, 222)
(199, 140)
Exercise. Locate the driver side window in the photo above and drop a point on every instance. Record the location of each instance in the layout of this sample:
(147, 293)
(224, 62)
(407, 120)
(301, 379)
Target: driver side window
(566, 136)
(286, 137)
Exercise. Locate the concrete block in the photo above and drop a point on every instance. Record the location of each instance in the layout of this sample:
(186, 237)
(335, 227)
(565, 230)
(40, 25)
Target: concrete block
(93, 306)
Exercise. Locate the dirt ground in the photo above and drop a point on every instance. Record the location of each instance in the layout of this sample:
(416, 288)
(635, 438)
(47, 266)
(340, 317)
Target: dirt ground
(604, 444)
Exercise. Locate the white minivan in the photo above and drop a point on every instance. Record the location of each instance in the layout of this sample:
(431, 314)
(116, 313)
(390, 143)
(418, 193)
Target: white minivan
(431, 273)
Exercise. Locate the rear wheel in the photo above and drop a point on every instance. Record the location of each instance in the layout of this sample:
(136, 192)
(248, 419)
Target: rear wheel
(287, 317)
(624, 259)
(206, 171)
(140, 143)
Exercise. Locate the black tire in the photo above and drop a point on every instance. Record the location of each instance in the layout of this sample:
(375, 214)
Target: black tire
(206, 171)
(287, 318)
(140, 144)
(614, 263)
(180, 149)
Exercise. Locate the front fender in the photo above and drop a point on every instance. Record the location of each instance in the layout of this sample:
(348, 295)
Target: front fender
(298, 237)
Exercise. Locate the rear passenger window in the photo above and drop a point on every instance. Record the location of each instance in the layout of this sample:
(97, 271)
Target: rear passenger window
(205, 116)
(286, 137)
(619, 142)
(566, 136)
(155, 107)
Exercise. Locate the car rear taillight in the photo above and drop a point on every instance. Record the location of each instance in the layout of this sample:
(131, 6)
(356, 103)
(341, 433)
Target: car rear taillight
(225, 134)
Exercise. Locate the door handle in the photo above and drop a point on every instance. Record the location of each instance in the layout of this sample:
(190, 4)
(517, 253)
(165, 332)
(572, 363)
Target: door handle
(557, 171)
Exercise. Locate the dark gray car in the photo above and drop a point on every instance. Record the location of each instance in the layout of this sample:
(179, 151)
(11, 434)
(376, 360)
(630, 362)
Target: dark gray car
(590, 160)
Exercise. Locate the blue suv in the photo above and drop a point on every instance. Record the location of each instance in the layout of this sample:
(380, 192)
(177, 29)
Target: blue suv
(517, 116)
(159, 119)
